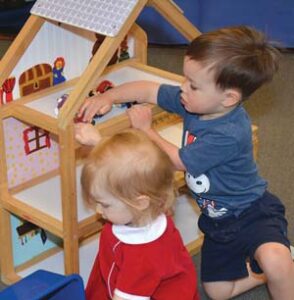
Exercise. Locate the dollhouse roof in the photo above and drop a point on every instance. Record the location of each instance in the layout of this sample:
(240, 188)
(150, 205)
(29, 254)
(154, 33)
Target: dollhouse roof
(102, 16)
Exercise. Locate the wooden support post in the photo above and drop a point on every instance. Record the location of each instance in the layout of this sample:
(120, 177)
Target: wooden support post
(69, 199)
(6, 258)
(140, 43)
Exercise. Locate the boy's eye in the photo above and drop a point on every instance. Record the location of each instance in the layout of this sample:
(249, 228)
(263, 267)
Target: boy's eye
(193, 88)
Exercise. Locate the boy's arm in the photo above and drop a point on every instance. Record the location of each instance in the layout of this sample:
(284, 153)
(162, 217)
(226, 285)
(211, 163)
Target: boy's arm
(140, 91)
(141, 118)
(167, 147)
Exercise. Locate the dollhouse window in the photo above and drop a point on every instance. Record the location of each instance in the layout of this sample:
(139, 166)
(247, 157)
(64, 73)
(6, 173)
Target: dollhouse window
(35, 139)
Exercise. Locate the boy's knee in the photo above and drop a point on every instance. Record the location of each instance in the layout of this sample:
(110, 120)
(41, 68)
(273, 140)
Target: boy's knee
(275, 260)
(218, 290)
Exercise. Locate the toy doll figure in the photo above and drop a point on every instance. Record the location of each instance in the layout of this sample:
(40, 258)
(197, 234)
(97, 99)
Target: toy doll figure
(58, 76)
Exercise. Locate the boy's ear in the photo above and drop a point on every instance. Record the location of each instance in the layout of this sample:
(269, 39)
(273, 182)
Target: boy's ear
(232, 97)
(143, 202)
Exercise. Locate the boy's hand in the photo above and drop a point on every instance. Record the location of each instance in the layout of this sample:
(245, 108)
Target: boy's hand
(87, 134)
(99, 104)
(140, 117)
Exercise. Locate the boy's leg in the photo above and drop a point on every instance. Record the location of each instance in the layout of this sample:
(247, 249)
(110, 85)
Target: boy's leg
(263, 238)
(276, 262)
(221, 264)
(228, 289)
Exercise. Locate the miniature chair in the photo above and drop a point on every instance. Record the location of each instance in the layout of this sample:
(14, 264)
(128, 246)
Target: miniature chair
(44, 285)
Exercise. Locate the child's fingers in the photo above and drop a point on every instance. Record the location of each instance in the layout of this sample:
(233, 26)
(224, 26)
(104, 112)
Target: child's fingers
(94, 108)
(83, 107)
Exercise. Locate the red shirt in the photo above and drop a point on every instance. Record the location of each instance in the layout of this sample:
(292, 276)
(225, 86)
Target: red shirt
(142, 263)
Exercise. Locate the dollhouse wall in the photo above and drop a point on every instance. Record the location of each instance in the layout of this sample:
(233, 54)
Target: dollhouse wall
(52, 41)
(20, 166)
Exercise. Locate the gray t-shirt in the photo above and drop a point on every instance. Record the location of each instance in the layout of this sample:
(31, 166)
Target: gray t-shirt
(218, 156)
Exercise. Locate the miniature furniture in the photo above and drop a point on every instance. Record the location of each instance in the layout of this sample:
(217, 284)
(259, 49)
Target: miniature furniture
(46, 285)
(39, 158)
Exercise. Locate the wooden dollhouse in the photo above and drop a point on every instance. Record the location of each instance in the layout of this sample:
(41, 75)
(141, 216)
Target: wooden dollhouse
(39, 158)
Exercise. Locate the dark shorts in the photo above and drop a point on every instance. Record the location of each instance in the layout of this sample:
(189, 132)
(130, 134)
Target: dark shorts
(230, 242)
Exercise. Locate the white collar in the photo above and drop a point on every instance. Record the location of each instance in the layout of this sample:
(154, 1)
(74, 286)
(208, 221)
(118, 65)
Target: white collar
(141, 235)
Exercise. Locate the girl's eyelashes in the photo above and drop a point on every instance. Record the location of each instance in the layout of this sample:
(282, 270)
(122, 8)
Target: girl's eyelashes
(104, 205)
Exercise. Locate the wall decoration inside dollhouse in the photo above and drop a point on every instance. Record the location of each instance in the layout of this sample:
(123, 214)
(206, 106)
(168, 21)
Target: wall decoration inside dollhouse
(29, 241)
(6, 91)
(35, 139)
(124, 50)
(27, 230)
(58, 66)
(22, 167)
(35, 79)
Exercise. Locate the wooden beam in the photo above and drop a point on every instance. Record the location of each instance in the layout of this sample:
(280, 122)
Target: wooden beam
(6, 257)
(31, 116)
(141, 43)
(69, 199)
(19, 46)
(95, 69)
(174, 15)
(33, 215)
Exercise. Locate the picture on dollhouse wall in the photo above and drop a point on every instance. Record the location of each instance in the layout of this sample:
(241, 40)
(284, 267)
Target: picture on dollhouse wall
(30, 152)
(6, 91)
(29, 240)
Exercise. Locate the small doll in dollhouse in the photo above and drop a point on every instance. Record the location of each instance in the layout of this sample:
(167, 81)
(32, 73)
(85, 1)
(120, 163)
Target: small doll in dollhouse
(141, 253)
(58, 76)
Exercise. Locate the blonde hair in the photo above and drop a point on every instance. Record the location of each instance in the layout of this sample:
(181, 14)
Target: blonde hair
(128, 165)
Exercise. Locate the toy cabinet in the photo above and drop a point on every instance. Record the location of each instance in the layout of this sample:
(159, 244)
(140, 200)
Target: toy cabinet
(39, 158)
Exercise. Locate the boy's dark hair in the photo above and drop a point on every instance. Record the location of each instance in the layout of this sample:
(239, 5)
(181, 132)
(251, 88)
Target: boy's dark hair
(240, 57)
